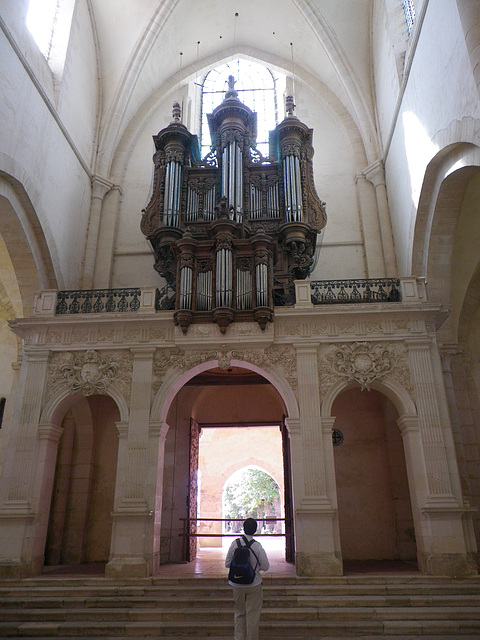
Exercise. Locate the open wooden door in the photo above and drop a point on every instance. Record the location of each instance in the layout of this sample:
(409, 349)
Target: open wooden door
(287, 478)
(193, 489)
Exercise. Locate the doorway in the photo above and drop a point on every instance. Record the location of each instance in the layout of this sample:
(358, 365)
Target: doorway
(246, 481)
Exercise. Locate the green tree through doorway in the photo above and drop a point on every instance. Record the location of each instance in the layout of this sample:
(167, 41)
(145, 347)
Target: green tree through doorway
(253, 493)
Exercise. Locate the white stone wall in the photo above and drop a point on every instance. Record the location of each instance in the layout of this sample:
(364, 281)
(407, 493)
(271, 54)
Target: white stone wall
(47, 134)
(439, 89)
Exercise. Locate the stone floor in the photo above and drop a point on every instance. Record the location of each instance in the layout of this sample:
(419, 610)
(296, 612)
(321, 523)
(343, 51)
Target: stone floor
(210, 562)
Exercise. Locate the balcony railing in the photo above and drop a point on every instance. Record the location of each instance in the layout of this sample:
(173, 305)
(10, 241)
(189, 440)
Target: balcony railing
(356, 291)
(151, 300)
(98, 301)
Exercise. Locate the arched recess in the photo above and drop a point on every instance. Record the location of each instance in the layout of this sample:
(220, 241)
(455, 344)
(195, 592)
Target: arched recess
(84, 477)
(375, 467)
(188, 399)
(370, 470)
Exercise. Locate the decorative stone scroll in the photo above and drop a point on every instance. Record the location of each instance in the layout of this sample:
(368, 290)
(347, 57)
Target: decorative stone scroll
(364, 363)
(89, 372)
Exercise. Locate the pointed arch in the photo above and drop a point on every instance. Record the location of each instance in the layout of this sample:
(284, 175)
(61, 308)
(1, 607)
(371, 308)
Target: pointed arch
(24, 239)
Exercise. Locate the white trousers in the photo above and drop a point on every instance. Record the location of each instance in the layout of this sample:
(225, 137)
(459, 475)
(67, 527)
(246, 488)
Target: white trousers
(248, 603)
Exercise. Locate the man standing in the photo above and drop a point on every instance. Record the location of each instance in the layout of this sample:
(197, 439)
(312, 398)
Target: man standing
(248, 598)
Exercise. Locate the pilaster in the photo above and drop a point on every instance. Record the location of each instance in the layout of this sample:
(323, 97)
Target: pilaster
(444, 547)
(24, 484)
(316, 528)
(134, 509)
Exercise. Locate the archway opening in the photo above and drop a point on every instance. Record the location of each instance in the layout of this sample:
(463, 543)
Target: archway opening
(374, 508)
(220, 422)
(80, 524)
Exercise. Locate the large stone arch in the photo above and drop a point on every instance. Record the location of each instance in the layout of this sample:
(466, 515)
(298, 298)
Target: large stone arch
(25, 233)
(447, 227)
(175, 380)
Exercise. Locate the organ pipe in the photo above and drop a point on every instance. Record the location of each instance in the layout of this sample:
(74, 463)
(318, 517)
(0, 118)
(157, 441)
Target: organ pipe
(261, 276)
(173, 187)
(203, 300)
(223, 280)
(232, 177)
(244, 289)
(292, 188)
(185, 298)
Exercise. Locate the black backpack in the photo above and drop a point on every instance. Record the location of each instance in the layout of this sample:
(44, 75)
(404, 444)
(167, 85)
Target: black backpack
(241, 570)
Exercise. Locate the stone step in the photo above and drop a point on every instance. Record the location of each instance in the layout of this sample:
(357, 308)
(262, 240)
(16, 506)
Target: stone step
(201, 615)
(268, 629)
(301, 588)
(225, 602)
(191, 608)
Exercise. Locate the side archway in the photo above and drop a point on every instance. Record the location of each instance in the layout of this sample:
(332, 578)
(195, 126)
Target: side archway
(373, 466)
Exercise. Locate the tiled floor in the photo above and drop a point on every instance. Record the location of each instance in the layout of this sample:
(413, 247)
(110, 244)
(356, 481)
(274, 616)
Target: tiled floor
(210, 562)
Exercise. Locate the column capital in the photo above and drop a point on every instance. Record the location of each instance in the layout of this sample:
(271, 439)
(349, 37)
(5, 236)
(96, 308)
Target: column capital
(158, 429)
(142, 352)
(408, 424)
(293, 425)
(376, 173)
(49, 432)
(100, 187)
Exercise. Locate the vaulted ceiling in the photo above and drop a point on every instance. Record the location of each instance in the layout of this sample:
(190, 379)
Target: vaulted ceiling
(146, 47)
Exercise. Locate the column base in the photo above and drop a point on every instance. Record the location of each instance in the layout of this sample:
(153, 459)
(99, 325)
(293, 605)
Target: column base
(317, 564)
(17, 570)
(127, 568)
(455, 565)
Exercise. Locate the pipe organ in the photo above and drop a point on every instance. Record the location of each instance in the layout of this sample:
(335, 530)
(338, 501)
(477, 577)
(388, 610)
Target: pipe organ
(231, 232)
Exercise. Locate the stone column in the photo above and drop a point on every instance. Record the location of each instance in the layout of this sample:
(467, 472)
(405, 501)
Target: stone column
(376, 174)
(372, 239)
(134, 508)
(444, 548)
(316, 528)
(106, 238)
(21, 501)
(99, 188)
(469, 11)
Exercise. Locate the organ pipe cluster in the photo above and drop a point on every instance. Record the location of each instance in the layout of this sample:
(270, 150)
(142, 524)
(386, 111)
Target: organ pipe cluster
(231, 232)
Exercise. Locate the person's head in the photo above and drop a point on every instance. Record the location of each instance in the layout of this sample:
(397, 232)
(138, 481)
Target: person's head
(250, 526)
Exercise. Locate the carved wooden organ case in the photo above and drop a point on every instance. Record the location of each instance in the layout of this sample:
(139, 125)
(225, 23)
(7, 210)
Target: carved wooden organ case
(230, 233)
